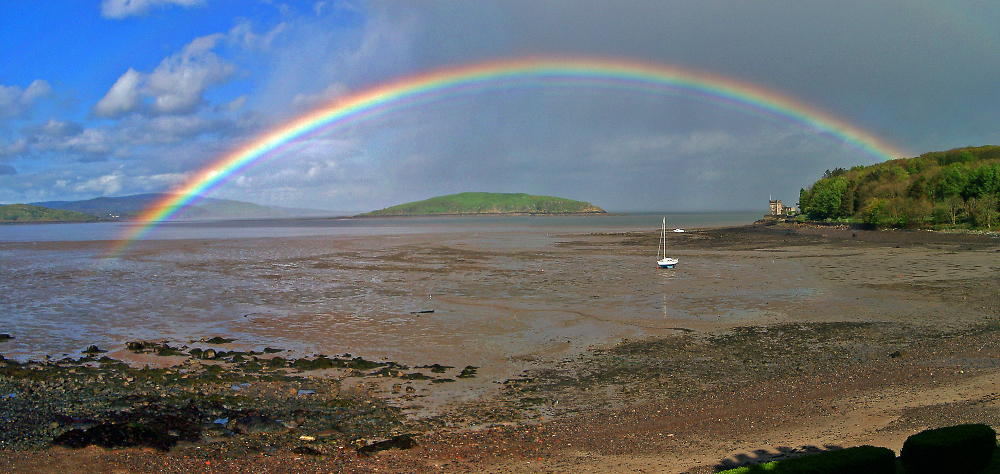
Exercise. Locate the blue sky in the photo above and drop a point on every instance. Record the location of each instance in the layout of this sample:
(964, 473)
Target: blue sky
(119, 97)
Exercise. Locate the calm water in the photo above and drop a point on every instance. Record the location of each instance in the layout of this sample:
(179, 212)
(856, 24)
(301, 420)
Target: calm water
(318, 227)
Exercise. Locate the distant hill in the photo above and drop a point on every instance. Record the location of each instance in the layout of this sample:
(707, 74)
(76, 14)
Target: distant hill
(29, 213)
(488, 203)
(125, 207)
(107, 207)
(958, 188)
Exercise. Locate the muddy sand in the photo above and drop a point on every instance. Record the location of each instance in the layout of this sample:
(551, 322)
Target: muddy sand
(526, 353)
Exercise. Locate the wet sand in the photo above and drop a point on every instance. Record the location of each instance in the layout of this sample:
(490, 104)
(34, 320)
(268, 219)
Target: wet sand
(764, 340)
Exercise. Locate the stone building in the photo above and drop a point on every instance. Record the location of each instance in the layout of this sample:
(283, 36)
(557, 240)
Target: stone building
(778, 209)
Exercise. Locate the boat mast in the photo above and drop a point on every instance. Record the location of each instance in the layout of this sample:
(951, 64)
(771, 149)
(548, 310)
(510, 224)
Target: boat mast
(663, 239)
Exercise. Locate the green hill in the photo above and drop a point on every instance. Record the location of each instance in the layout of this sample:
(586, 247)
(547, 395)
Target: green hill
(489, 203)
(957, 188)
(29, 213)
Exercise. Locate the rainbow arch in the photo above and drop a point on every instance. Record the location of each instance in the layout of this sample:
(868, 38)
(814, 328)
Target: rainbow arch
(493, 75)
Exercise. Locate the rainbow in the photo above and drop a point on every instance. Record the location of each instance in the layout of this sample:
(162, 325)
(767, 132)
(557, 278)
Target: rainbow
(471, 79)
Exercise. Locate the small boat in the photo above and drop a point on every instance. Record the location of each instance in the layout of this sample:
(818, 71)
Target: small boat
(661, 252)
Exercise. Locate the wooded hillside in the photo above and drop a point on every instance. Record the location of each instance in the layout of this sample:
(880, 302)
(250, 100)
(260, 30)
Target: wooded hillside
(28, 213)
(957, 188)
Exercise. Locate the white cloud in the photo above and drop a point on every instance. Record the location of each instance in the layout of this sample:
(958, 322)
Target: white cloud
(16, 102)
(242, 34)
(176, 86)
(88, 144)
(156, 182)
(179, 82)
(105, 185)
(64, 140)
(119, 9)
(38, 88)
(170, 128)
(123, 96)
(118, 182)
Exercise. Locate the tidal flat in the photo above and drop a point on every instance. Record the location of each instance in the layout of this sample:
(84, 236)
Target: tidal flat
(496, 352)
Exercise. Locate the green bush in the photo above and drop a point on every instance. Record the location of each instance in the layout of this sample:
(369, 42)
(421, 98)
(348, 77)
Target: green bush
(962, 448)
(857, 460)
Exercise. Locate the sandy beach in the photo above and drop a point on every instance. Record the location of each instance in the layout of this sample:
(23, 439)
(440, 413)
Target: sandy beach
(766, 341)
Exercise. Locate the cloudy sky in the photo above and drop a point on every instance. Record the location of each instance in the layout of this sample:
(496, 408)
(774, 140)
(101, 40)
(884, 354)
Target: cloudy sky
(120, 97)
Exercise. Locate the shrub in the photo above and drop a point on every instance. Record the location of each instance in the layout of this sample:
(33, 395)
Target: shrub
(962, 448)
(857, 460)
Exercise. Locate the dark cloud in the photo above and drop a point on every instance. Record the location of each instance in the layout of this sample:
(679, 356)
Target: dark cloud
(903, 70)
(900, 71)
(7, 170)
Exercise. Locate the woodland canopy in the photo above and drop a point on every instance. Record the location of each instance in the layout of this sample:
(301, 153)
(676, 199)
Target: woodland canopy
(957, 188)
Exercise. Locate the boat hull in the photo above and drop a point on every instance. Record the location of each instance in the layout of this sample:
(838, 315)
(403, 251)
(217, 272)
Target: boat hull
(667, 263)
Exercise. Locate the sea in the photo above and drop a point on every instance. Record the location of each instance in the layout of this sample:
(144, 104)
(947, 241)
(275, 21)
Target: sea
(336, 226)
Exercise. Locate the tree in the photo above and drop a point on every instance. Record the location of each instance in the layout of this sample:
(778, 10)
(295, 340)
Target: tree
(984, 211)
(805, 198)
(915, 212)
(982, 181)
(835, 173)
(952, 181)
(824, 202)
(918, 188)
(846, 208)
(954, 205)
(882, 212)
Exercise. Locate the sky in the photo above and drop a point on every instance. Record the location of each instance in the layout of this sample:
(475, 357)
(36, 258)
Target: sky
(121, 97)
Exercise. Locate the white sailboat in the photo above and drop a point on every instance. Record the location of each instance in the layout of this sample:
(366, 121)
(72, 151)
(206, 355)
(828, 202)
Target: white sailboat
(661, 252)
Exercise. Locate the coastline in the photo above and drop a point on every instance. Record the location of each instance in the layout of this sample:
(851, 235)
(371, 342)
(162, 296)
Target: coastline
(813, 367)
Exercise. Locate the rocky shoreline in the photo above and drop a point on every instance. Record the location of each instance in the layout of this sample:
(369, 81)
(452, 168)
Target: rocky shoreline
(226, 397)
(664, 394)
(232, 402)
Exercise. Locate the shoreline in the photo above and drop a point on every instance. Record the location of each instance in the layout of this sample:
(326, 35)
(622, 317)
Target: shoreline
(661, 399)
